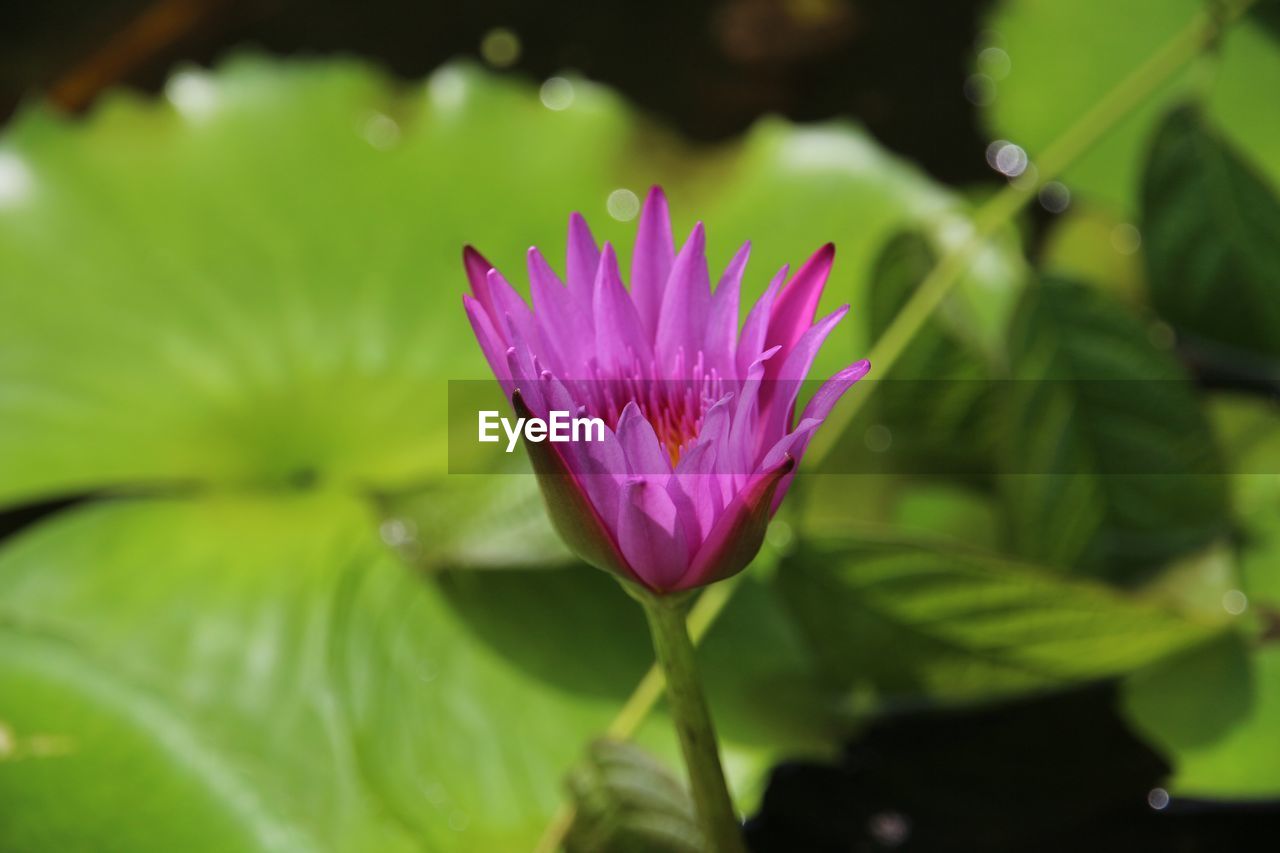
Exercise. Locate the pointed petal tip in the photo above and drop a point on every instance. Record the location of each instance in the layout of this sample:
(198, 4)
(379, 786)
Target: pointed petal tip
(824, 257)
(697, 241)
(472, 259)
(655, 203)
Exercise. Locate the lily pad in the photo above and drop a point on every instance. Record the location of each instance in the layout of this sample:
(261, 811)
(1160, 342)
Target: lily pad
(256, 281)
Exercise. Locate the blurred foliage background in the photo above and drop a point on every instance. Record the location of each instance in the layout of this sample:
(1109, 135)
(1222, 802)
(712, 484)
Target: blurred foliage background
(244, 605)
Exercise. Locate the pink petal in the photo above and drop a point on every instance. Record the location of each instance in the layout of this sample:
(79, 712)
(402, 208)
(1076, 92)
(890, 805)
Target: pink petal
(722, 322)
(600, 466)
(492, 344)
(477, 268)
(651, 260)
(744, 438)
(645, 454)
(751, 343)
(826, 397)
(582, 259)
(572, 512)
(697, 490)
(685, 304)
(796, 307)
(557, 315)
(651, 535)
(778, 395)
(736, 538)
(620, 337)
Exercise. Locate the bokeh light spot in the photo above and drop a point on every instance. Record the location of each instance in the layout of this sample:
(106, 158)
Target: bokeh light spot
(381, 131)
(500, 47)
(1055, 197)
(193, 94)
(994, 62)
(1007, 158)
(980, 90)
(878, 438)
(447, 89)
(1125, 239)
(556, 94)
(16, 181)
(623, 205)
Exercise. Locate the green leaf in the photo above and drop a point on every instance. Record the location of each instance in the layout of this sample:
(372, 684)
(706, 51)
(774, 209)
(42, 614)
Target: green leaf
(936, 399)
(258, 282)
(628, 802)
(495, 521)
(1214, 710)
(1249, 431)
(289, 679)
(280, 634)
(182, 649)
(1063, 57)
(1110, 466)
(1210, 222)
(941, 623)
(78, 739)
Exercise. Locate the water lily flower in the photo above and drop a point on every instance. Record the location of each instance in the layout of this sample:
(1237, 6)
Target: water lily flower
(702, 440)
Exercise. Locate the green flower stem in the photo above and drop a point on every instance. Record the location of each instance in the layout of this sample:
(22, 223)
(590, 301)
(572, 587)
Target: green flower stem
(674, 650)
(642, 700)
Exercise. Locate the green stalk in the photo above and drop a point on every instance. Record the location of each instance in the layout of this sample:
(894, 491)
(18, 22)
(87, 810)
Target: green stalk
(674, 650)
(1201, 34)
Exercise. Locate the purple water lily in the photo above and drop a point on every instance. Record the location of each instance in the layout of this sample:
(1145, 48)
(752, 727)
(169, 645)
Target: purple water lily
(701, 440)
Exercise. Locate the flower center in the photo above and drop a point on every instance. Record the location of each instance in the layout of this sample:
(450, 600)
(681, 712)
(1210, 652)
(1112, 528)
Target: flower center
(675, 408)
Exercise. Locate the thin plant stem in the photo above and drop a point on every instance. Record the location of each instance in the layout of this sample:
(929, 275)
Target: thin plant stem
(673, 648)
(643, 699)
(994, 215)
(999, 211)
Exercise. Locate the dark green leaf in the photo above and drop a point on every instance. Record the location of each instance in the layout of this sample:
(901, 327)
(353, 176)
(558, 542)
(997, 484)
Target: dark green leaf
(942, 623)
(1111, 468)
(1213, 259)
(936, 400)
(628, 802)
